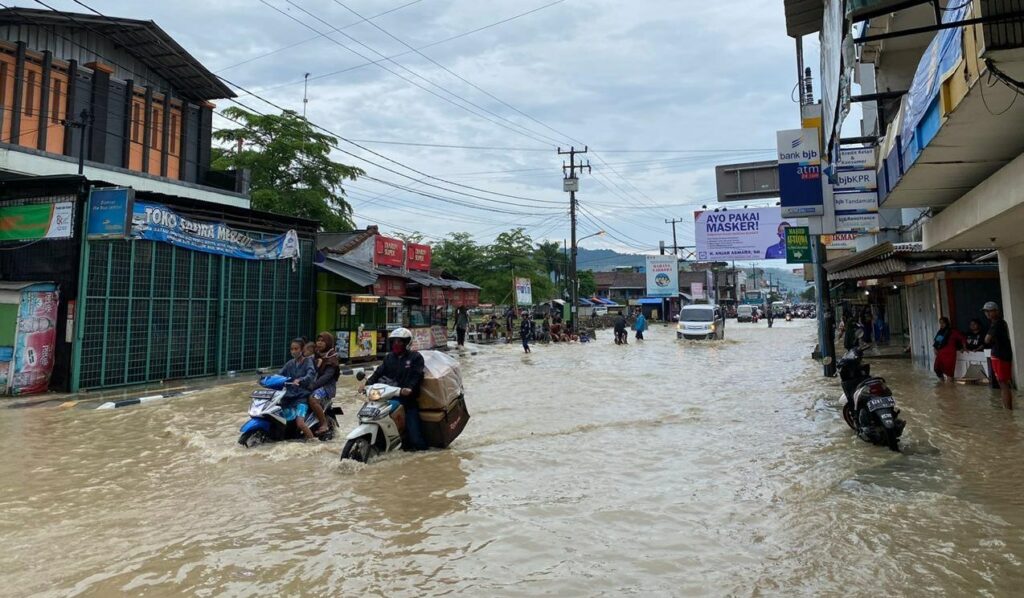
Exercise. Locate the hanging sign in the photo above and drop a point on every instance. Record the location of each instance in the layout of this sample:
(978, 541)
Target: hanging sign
(110, 212)
(31, 222)
(155, 222)
(662, 276)
(798, 245)
(799, 173)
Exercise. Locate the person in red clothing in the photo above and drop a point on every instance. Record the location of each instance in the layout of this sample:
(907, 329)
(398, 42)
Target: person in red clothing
(998, 339)
(948, 341)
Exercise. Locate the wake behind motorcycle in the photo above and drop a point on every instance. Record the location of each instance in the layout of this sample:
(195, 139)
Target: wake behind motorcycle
(267, 421)
(870, 409)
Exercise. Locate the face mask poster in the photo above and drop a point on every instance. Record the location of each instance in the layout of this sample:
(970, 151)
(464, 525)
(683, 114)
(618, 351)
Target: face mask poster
(748, 234)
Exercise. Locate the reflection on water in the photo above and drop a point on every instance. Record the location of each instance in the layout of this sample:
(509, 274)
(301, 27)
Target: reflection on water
(661, 468)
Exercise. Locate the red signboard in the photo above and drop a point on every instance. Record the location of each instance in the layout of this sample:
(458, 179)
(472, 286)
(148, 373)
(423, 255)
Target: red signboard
(389, 252)
(432, 296)
(417, 257)
(387, 286)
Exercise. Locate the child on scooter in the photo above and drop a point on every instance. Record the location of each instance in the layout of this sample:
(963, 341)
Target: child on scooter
(300, 373)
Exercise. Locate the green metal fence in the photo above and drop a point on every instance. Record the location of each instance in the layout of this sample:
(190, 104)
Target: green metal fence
(153, 311)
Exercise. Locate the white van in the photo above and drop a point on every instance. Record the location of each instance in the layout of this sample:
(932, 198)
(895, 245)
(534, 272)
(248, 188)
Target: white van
(701, 322)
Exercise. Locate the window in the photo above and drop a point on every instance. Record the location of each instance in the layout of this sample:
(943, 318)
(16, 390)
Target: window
(156, 122)
(174, 134)
(55, 110)
(30, 94)
(3, 84)
(136, 122)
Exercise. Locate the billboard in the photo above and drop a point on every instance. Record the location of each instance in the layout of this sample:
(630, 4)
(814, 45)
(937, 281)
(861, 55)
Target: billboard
(417, 257)
(388, 252)
(750, 234)
(524, 291)
(800, 172)
(36, 221)
(662, 276)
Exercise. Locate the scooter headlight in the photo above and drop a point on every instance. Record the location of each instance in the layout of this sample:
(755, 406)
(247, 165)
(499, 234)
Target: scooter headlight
(374, 395)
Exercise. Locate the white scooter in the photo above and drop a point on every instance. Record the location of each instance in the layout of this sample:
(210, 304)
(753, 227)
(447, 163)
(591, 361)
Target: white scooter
(381, 424)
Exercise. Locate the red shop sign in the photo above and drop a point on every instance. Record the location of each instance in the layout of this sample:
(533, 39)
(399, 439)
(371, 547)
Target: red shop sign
(389, 252)
(417, 257)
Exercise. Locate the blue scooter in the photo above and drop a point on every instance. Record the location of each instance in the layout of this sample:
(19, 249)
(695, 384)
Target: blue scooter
(270, 423)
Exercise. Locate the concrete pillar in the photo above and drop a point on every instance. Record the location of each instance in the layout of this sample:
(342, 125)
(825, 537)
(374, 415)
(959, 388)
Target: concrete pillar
(1011, 278)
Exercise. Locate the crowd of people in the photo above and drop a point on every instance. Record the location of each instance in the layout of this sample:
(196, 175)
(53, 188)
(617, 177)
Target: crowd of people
(949, 341)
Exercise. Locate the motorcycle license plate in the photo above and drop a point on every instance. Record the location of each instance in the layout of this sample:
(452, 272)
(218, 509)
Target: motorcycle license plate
(881, 403)
(263, 393)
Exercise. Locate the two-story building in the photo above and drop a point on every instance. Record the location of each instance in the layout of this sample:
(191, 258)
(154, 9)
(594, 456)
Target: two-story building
(124, 257)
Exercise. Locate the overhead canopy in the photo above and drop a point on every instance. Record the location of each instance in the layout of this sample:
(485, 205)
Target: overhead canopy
(344, 268)
(804, 17)
(584, 302)
(892, 259)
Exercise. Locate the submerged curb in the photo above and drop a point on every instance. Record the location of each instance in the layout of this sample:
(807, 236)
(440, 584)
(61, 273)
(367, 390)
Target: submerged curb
(143, 400)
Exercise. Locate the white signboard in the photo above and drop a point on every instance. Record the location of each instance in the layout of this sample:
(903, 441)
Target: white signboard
(840, 241)
(662, 276)
(524, 291)
(857, 158)
(697, 290)
(61, 221)
(570, 185)
(752, 234)
(856, 180)
(857, 223)
(864, 202)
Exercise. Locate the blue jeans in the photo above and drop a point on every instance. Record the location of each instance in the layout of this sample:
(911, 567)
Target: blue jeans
(414, 427)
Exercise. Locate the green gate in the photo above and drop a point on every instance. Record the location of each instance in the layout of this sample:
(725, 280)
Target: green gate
(153, 311)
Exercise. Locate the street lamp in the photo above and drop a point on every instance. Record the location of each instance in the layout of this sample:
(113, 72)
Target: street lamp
(575, 288)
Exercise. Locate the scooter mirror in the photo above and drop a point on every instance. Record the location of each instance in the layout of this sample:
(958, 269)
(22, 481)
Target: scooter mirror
(360, 375)
(827, 360)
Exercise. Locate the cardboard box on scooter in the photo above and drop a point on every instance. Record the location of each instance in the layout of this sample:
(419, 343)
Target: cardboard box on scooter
(442, 381)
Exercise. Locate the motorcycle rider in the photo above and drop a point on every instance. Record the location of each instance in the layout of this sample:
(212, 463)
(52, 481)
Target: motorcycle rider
(300, 372)
(620, 330)
(328, 368)
(405, 367)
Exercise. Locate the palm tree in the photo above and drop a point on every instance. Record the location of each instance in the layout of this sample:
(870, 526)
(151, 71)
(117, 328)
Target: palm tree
(551, 258)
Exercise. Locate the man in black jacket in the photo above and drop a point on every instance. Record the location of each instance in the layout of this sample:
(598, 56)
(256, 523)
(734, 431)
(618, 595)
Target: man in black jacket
(404, 367)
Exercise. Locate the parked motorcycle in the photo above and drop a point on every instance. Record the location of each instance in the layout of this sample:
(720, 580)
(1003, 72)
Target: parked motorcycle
(267, 421)
(870, 408)
(381, 423)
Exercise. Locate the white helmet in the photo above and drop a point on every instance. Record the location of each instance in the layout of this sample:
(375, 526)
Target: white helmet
(402, 333)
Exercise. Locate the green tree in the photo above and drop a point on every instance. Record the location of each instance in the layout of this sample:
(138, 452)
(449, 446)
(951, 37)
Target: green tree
(291, 168)
(588, 286)
(460, 256)
(552, 258)
(415, 237)
(808, 295)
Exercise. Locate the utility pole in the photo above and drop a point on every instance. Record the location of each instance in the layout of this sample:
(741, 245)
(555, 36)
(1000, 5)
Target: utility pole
(571, 184)
(84, 120)
(675, 244)
(305, 94)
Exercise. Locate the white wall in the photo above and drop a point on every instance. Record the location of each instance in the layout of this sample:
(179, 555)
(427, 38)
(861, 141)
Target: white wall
(1011, 277)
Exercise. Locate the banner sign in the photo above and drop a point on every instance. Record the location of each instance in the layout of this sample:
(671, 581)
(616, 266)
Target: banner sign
(155, 222)
(840, 241)
(856, 180)
(363, 343)
(857, 158)
(417, 257)
(749, 234)
(110, 213)
(865, 202)
(35, 341)
(800, 173)
(524, 291)
(662, 276)
(388, 252)
(422, 339)
(697, 291)
(798, 245)
(31, 222)
(857, 223)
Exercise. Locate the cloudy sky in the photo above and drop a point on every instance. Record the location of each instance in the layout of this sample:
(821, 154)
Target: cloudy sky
(661, 91)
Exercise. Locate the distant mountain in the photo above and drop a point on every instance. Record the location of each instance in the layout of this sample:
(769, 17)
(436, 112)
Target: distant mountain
(605, 260)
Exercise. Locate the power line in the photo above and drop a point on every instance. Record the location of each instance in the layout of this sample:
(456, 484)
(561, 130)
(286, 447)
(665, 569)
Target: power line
(314, 38)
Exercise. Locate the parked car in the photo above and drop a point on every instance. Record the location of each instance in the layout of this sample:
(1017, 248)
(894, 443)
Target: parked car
(702, 321)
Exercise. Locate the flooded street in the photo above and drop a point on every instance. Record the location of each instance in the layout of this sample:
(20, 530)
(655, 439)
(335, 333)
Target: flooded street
(666, 468)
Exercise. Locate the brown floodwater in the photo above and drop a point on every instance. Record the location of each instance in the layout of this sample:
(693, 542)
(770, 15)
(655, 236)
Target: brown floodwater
(659, 469)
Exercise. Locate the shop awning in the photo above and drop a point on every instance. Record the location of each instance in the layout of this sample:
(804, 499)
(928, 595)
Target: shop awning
(584, 302)
(892, 259)
(339, 266)
(603, 301)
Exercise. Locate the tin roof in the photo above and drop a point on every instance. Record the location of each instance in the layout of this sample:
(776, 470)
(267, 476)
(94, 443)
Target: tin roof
(888, 259)
(144, 40)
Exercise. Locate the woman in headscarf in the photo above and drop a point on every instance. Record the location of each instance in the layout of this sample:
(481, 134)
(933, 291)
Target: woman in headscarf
(947, 341)
(324, 387)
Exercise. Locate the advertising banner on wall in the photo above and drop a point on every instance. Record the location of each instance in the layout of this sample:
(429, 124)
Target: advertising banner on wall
(524, 291)
(36, 221)
(856, 192)
(156, 222)
(422, 339)
(697, 291)
(799, 173)
(363, 343)
(110, 212)
(417, 257)
(662, 276)
(750, 234)
(35, 340)
(388, 252)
